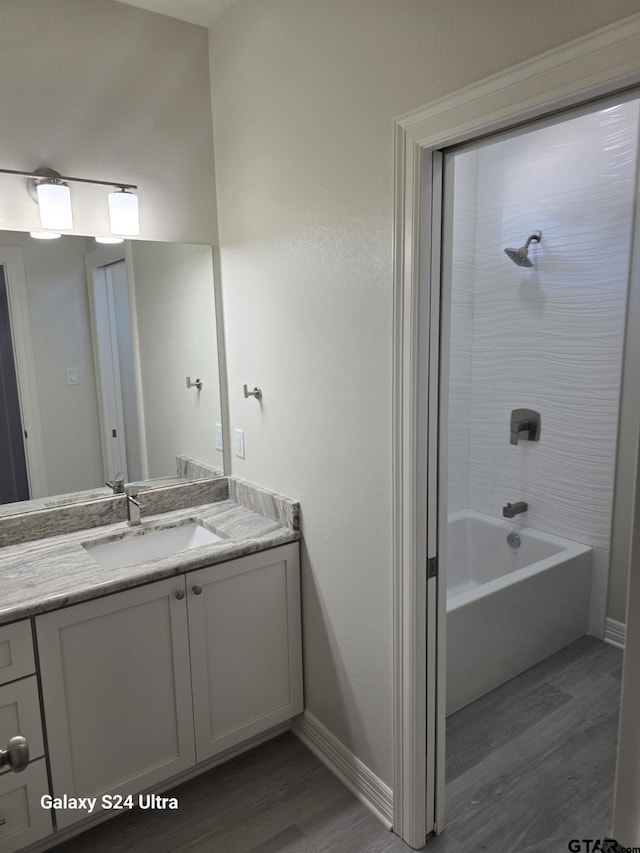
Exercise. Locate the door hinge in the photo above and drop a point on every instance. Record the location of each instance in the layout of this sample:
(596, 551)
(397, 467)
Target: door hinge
(114, 433)
(432, 567)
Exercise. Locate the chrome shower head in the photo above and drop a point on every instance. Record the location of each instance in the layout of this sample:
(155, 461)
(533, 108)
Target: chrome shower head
(521, 256)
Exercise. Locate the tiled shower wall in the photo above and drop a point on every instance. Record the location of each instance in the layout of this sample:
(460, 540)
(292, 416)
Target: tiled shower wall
(548, 338)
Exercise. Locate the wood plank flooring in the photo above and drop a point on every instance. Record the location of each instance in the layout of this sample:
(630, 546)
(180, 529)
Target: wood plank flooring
(529, 767)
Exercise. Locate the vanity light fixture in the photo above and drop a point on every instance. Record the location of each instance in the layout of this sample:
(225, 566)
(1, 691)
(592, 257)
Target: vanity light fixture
(50, 189)
(123, 213)
(45, 235)
(54, 201)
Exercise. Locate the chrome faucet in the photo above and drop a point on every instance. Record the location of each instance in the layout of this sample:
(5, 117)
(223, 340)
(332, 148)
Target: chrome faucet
(510, 510)
(133, 506)
(117, 484)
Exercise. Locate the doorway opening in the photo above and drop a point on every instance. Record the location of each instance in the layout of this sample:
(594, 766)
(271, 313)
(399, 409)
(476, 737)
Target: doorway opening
(116, 382)
(14, 484)
(537, 242)
(602, 64)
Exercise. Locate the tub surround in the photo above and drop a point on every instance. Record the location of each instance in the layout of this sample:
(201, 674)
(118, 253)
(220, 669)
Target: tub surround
(40, 571)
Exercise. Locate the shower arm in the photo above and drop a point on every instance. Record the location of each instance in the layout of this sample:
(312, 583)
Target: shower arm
(534, 237)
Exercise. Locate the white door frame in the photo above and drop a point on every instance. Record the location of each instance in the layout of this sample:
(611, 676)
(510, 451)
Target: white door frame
(600, 63)
(12, 259)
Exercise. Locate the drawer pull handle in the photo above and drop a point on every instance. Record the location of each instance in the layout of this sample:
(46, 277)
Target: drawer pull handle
(16, 755)
(2, 821)
(179, 594)
(197, 590)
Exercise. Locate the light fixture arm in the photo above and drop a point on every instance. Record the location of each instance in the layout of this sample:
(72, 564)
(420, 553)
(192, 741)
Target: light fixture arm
(50, 174)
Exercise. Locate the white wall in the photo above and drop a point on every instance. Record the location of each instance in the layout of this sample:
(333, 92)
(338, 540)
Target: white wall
(304, 96)
(549, 338)
(97, 89)
(176, 324)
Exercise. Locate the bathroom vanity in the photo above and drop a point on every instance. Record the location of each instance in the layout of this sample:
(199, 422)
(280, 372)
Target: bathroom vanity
(129, 678)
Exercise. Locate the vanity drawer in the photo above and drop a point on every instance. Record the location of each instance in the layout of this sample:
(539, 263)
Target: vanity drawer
(22, 818)
(20, 715)
(16, 651)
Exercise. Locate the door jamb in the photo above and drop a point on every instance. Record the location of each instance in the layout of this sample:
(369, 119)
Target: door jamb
(603, 62)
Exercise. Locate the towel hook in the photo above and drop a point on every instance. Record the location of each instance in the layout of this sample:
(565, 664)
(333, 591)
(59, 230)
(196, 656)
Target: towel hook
(257, 392)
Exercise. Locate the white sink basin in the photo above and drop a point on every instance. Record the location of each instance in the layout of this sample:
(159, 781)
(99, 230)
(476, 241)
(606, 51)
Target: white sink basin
(150, 546)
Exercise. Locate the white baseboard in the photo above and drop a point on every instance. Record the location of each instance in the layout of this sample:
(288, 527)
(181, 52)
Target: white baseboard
(615, 633)
(352, 772)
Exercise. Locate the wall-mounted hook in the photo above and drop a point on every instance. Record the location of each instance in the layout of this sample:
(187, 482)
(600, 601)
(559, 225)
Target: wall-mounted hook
(196, 384)
(257, 392)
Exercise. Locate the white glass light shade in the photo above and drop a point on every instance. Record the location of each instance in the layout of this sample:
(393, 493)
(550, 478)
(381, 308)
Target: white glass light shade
(54, 201)
(45, 235)
(123, 213)
(109, 240)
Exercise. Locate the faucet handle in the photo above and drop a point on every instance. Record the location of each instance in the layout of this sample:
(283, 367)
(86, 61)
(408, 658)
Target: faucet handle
(117, 484)
(132, 493)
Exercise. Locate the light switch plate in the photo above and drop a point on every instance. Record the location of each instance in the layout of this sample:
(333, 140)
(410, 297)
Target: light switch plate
(238, 439)
(219, 437)
(72, 375)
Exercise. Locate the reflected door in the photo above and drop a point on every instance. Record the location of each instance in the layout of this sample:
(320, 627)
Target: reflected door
(14, 482)
(113, 348)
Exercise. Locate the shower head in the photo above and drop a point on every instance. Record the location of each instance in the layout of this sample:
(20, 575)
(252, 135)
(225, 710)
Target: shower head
(521, 256)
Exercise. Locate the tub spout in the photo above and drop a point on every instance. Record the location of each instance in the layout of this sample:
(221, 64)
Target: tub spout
(510, 510)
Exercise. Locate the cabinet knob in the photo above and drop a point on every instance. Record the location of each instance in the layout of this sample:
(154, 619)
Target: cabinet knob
(179, 594)
(16, 755)
(197, 590)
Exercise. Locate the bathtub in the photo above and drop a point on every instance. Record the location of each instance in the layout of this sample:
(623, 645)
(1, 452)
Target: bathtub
(508, 608)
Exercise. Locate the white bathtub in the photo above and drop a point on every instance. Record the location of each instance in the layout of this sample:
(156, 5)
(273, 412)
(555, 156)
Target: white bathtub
(507, 608)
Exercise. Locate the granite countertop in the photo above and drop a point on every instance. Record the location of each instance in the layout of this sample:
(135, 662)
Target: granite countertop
(48, 573)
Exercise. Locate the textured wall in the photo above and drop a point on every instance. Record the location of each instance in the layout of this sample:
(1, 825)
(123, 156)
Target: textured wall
(176, 324)
(304, 96)
(550, 338)
(97, 89)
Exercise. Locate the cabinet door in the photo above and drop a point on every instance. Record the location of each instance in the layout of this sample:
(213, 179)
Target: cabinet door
(116, 692)
(23, 820)
(244, 630)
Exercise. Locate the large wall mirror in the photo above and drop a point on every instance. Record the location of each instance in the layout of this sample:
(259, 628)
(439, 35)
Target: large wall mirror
(96, 345)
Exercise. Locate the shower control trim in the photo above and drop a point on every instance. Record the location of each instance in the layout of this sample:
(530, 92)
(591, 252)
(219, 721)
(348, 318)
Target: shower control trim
(525, 425)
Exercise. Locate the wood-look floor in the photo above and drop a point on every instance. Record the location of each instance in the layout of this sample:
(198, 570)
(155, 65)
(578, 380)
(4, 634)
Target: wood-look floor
(529, 767)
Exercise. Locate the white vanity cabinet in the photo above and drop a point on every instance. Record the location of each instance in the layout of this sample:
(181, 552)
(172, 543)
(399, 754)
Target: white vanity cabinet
(125, 676)
(116, 691)
(22, 818)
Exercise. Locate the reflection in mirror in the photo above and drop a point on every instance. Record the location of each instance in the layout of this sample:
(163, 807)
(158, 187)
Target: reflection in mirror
(96, 344)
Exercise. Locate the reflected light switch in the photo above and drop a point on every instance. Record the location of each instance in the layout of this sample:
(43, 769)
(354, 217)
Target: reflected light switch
(72, 375)
(238, 438)
(219, 437)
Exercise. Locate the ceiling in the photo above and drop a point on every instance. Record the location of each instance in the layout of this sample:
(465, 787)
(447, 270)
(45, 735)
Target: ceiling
(202, 12)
